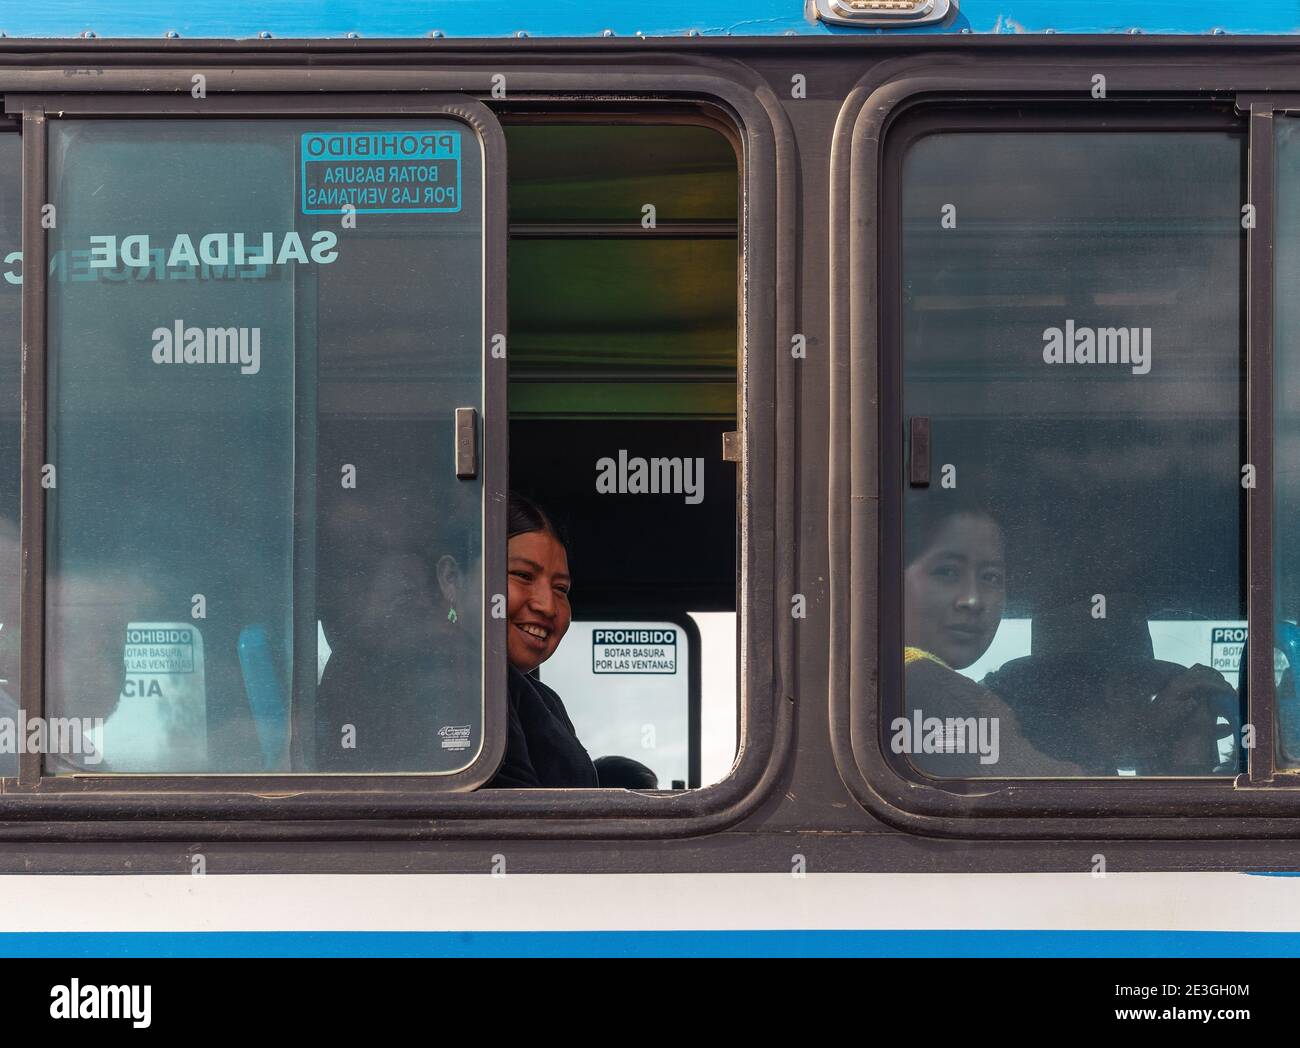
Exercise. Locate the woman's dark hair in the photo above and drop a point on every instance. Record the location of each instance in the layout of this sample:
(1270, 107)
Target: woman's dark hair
(928, 514)
(524, 515)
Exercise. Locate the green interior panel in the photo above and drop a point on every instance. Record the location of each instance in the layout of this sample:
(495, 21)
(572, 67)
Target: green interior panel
(647, 304)
(606, 322)
(607, 173)
(545, 399)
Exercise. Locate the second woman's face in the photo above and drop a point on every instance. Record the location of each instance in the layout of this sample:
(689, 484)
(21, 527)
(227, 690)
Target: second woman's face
(537, 605)
(953, 594)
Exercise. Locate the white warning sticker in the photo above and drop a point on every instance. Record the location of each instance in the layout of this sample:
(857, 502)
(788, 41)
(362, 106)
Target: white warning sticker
(154, 649)
(160, 724)
(634, 651)
(1225, 648)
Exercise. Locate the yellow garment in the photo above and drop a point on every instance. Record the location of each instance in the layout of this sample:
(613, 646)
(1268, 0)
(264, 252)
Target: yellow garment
(911, 655)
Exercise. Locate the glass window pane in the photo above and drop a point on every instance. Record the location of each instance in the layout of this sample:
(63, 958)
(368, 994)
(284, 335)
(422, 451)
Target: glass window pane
(1071, 325)
(256, 536)
(1286, 450)
(11, 271)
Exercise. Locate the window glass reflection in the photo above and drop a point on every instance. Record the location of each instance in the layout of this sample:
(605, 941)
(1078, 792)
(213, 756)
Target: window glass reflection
(251, 399)
(10, 428)
(1072, 580)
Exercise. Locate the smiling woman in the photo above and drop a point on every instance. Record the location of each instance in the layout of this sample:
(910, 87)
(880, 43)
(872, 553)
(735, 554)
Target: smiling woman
(542, 748)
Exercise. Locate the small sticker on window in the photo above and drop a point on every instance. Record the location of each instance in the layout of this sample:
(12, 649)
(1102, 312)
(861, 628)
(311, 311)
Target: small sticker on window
(381, 172)
(160, 722)
(454, 736)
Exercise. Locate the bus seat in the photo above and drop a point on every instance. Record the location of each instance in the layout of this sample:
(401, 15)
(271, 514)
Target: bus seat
(266, 699)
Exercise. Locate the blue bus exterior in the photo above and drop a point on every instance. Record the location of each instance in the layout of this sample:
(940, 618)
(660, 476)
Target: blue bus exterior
(243, 20)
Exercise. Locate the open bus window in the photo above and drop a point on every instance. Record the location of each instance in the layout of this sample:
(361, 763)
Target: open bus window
(624, 260)
(259, 335)
(1071, 551)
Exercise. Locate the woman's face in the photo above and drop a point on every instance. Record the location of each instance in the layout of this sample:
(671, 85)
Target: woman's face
(954, 592)
(537, 605)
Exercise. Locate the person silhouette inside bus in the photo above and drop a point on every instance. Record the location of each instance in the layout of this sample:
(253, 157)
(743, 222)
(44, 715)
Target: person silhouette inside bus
(403, 624)
(542, 748)
(1092, 691)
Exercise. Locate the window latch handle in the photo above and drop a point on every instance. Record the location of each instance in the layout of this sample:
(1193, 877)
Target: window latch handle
(919, 463)
(466, 443)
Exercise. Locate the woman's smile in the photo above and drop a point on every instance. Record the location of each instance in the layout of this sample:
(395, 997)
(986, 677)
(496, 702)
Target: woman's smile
(537, 635)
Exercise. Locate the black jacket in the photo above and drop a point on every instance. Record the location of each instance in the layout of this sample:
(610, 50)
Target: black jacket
(542, 749)
(393, 711)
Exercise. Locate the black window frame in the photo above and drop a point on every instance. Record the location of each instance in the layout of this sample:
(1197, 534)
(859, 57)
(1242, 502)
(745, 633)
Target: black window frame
(294, 806)
(865, 573)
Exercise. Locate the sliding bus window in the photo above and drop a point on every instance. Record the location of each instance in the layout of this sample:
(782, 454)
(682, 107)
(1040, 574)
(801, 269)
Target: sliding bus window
(1072, 595)
(11, 275)
(261, 557)
(1286, 437)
